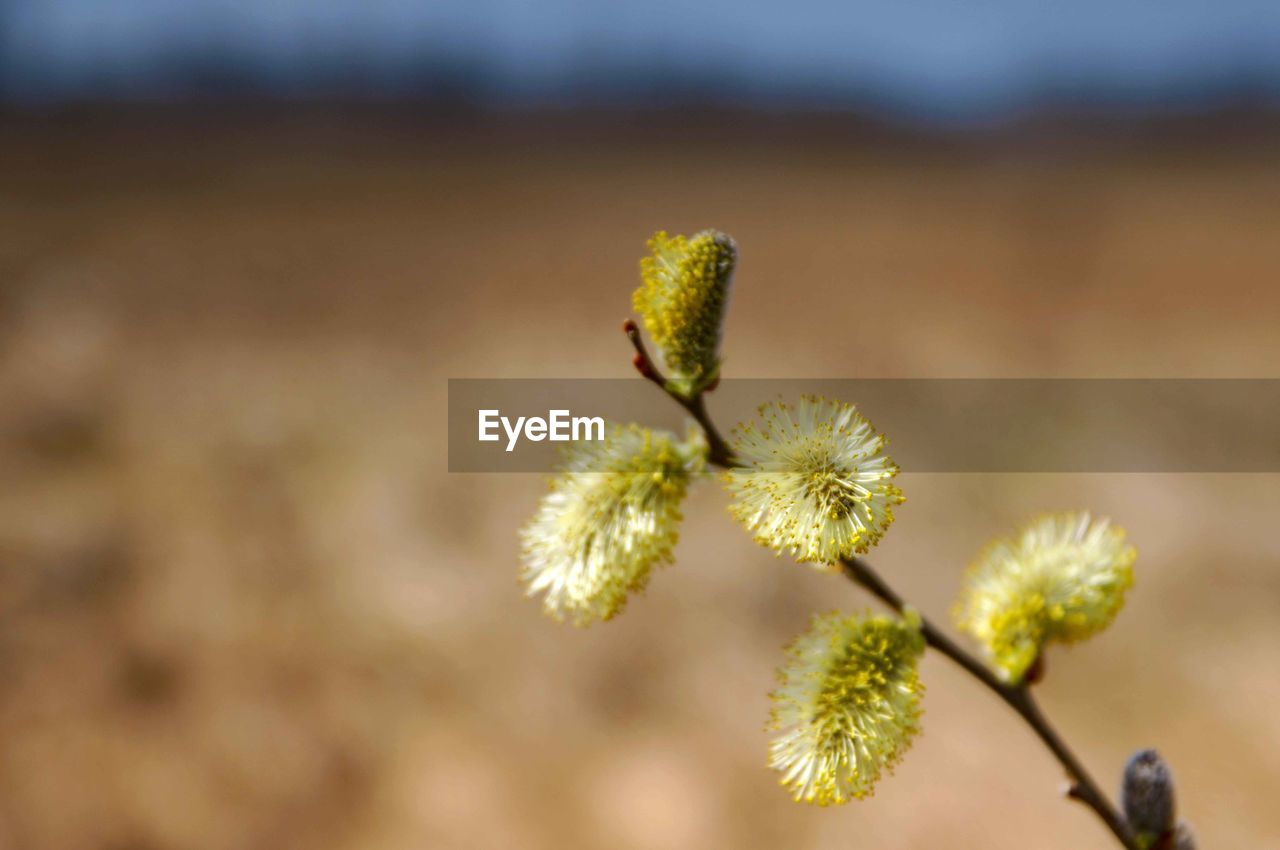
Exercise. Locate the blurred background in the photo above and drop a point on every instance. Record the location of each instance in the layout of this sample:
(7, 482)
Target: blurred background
(243, 246)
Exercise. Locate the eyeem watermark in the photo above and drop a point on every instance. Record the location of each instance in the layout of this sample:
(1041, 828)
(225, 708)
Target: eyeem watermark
(560, 426)
(937, 425)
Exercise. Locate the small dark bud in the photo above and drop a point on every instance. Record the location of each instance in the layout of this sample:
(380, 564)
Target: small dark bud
(1183, 837)
(1147, 795)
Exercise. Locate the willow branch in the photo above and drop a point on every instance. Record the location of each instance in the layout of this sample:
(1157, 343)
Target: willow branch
(1018, 697)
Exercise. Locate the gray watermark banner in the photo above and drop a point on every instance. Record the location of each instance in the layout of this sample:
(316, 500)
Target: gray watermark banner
(933, 425)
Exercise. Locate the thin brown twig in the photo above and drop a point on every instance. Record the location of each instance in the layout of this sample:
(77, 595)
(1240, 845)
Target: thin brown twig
(719, 452)
(1018, 697)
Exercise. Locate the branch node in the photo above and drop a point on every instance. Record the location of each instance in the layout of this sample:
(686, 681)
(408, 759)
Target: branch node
(642, 361)
(644, 367)
(1035, 673)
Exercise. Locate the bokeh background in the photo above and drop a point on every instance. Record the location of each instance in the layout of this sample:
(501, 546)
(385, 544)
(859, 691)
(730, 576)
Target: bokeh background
(243, 246)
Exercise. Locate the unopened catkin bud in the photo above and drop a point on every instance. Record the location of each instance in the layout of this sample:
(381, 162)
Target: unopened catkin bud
(683, 294)
(1183, 837)
(1147, 796)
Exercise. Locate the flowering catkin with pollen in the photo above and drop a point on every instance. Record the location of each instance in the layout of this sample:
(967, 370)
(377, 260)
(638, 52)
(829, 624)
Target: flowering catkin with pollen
(611, 516)
(1062, 578)
(814, 481)
(847, 705)
(683, 294)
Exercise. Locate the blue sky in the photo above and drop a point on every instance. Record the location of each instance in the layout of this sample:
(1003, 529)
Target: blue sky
(931, 58)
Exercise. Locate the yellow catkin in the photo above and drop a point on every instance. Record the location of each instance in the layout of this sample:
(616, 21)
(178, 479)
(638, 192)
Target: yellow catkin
(683, 294)
(847, 706)
(814, 482)
(609, 518)
(1061, 578)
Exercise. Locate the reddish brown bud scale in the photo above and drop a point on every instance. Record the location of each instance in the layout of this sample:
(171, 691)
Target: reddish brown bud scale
(643, 367)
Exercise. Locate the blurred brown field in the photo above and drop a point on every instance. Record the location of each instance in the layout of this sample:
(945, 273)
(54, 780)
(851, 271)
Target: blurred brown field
(245, 606)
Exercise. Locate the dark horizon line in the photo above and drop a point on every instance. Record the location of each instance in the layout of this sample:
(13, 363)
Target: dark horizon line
(471, 85)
